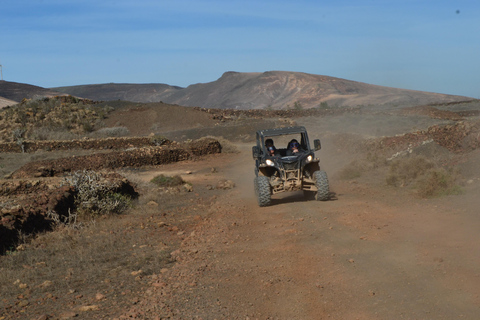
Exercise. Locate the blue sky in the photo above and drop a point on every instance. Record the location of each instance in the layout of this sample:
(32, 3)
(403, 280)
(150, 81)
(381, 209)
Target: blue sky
(413, 44)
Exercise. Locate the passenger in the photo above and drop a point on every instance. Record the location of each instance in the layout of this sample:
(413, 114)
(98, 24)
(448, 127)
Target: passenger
(293, 148)
(272, 151)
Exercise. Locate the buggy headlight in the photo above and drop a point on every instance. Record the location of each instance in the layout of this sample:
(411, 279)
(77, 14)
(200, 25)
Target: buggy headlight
(269, 162)
(309, 158)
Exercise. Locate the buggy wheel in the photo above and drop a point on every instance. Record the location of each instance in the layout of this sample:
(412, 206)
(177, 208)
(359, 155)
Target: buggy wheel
(321, 182)
(262, 191)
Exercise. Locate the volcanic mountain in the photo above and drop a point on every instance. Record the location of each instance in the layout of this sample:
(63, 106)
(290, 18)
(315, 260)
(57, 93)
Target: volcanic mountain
(267, 90)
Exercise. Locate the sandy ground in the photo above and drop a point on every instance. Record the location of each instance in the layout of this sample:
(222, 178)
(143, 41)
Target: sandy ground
(374, 253)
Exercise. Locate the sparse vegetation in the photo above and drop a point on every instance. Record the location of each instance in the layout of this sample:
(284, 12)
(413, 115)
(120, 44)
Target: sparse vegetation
(95, 195)
(438, 182)
(70, 220)
(168, 181)
(423, 175)
(416, 172)
(157, 139)
(357, 167)
(79, 263)
(405, 171)
(376, 160)
(59, 115)
(323, 105)
(297, 106)
(111, 132)
(51, 133)
(352, 171)
(18, 137)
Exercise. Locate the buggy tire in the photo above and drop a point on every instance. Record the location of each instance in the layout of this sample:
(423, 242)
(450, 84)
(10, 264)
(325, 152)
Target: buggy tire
(321, 182)
(262, 191)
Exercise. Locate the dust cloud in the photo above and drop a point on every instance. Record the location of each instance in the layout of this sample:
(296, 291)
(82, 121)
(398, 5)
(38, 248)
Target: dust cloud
(342, 135)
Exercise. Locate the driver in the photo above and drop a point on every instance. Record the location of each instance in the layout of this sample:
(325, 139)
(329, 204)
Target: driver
(272, 151)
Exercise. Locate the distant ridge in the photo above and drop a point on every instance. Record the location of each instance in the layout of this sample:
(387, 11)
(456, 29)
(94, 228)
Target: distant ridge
(267, 90)
(237, 90)
(18, 91)
(152, 92)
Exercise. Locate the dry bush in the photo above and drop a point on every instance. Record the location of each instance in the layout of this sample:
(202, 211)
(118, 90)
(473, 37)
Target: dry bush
(95, 196)
(158, 139)
(376, 160)
(438, 182)
(68, 220)
(405, 171)
(111, 132)
(54, 115)
(422, 174)
(356, 168)
(48, 133)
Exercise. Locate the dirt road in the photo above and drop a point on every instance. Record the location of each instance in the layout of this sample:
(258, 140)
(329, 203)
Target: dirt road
(373, 253)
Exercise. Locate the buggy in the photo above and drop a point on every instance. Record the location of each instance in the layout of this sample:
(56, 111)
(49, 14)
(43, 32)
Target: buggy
(280, 170)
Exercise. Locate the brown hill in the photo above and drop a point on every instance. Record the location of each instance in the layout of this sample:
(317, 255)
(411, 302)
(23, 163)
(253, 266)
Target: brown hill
(150, 92)
(17, 91)
(268, 90)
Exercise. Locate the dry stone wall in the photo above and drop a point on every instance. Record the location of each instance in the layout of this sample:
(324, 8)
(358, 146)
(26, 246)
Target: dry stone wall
(86, 144)
(26, 199)
(137, 157)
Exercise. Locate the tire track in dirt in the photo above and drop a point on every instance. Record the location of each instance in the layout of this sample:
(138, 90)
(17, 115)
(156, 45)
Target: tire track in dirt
(370, 254)
(375, 253)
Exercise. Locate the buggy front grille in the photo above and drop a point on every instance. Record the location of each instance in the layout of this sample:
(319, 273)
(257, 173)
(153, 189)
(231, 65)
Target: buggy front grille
(291, 166)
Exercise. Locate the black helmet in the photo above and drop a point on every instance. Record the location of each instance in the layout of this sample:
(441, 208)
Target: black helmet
(293, 144)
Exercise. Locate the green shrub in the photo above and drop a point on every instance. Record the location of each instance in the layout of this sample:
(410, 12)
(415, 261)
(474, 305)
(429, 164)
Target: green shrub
(297, 106)
(167, 181)
(324, 106)
(87, 127)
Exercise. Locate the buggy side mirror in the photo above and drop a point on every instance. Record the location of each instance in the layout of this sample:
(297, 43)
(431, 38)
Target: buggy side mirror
(256, 152)
(317, 145)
